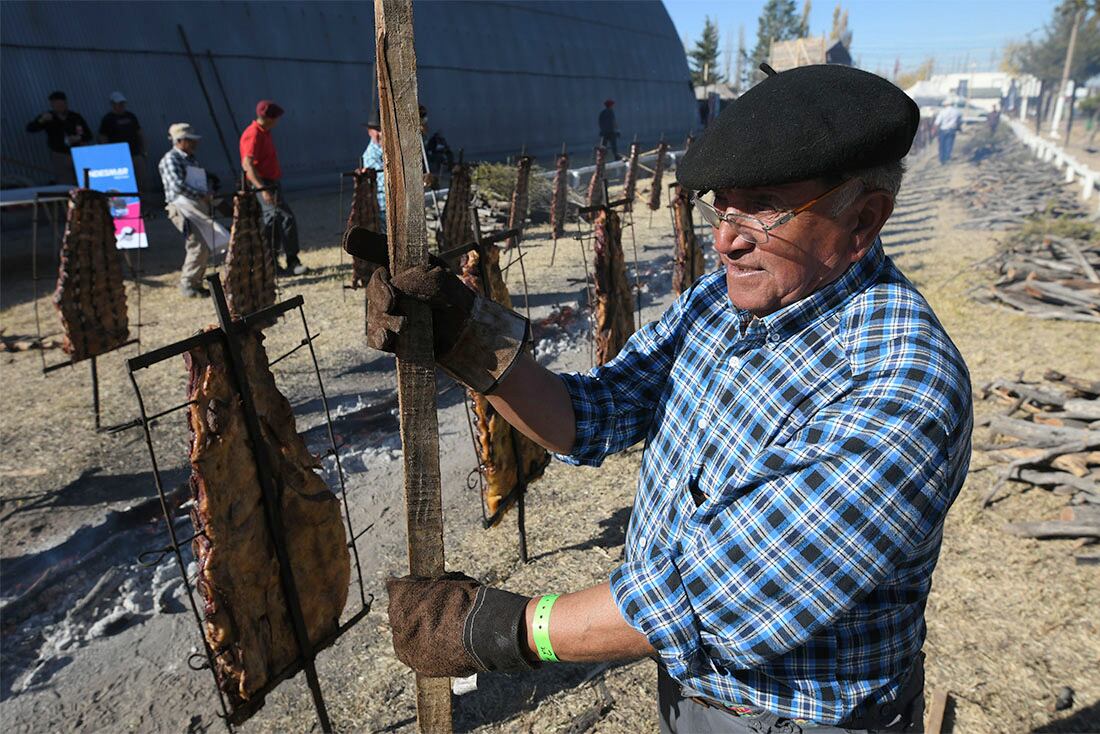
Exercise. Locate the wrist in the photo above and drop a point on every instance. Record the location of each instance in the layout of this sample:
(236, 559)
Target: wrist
(527, 634)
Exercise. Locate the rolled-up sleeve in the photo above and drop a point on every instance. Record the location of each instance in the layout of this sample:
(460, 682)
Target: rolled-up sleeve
(614, 404)
(810, 527)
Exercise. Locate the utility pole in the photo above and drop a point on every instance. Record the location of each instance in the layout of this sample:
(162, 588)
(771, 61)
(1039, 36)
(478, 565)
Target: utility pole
(1061, 91)
(408, 242)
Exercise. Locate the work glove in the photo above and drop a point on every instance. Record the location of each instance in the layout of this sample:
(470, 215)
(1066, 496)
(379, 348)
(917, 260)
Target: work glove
(452, 626)
(476, 340)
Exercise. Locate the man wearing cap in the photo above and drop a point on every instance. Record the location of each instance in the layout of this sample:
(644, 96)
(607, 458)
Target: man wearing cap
(64, 129)
(260, 162)
(372, 158)
(187, 200)
(122, 126)
(807, 426)
(609, 131)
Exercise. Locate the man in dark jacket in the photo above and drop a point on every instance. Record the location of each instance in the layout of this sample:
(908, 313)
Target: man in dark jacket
(122, 126)
(64, 129)
(609, 131)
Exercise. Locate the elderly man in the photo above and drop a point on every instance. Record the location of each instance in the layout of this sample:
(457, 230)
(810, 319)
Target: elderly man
(260, 162)
(188, 201)
(807, 426)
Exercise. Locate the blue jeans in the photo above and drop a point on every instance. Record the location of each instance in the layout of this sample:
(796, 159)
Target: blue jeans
(947, 144)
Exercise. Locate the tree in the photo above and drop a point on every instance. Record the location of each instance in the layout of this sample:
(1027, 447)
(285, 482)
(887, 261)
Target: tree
(840, 30)
(779, 21)
(704, 57)
(924, 71)
(804, 21)
(1045, 57)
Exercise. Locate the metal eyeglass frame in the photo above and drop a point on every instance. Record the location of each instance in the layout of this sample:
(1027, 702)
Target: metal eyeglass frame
(743, 224)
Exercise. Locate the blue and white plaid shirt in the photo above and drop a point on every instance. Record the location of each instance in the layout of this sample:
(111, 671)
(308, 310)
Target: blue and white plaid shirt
(793, 489)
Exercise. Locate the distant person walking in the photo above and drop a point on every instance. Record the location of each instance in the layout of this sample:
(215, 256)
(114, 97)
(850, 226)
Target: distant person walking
(64, 129)
(609, 131)
(372, 158)
(122, 126)
(260, 163)
(947, 124)
(187, 200)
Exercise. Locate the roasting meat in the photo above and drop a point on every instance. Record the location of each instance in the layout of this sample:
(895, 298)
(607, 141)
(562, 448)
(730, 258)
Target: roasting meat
(458, 226)
(688, 266)
(249, 263)
(630, 184)
(518, 214)
(560, 196)
(595, 184)
(246, 621)
(614, 303)
(658, 173)
(500, 448)
(90, 295)
(364, 213)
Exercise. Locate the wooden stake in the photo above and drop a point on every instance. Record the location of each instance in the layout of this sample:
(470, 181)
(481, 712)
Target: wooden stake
(400, 119)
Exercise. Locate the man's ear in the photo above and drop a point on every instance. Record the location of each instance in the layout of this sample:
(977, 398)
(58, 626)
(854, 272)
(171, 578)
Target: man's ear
(871, 210)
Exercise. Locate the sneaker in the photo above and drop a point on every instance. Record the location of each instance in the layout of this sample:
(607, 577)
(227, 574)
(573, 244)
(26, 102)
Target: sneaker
(193, 292)
(294, 267)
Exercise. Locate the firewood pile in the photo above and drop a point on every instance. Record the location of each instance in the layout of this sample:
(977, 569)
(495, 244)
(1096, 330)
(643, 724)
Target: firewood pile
(630, 181)
(559, 200)
(517, 213)
(249, 263)
(1047, 277)
(614, 302)
(1010, 185)
(90, 295)
(688, 265)
(1048, 437)
(365, 213)
(658, 173)
(595, 195)
(458, 227)
(506, 458)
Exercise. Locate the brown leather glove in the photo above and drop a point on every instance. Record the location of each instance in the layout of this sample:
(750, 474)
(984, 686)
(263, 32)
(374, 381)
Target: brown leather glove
(452, 626)
(476, 340)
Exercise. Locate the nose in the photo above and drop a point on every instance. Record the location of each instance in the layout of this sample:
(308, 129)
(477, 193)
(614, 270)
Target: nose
(728, 242)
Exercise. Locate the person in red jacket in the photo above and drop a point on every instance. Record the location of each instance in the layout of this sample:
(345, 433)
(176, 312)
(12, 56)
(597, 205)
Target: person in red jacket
(260, 162)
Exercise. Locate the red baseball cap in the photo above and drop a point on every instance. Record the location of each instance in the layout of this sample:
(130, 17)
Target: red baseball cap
(267, 108)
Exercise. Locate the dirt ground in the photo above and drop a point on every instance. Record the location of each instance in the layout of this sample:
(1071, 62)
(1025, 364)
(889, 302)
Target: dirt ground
(95, 642)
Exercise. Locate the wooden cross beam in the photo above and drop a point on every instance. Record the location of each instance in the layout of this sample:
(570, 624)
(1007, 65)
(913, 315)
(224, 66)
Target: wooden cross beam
(408, 244)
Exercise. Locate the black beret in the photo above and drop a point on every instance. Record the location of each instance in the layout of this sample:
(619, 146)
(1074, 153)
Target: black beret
(802, 124)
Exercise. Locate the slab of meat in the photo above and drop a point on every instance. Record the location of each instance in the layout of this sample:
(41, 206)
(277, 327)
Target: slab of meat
(559, 199)
(246, 621)
(595, 184)
(614, 302)
(688, 266)
(365, 213)
(90, 295)
(518, 213)
(249, 262)
(458, 226)
(658, 174)
(500, 448)
(630, 183)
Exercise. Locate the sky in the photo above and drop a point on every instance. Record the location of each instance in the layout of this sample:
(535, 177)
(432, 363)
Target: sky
(960, 34)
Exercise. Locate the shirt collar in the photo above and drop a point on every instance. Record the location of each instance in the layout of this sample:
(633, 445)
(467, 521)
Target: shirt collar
(793, 318)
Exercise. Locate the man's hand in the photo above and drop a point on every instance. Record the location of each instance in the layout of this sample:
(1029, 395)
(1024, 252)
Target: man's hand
(45, 117)
(453, 626)
(267, 196)
(450, 300)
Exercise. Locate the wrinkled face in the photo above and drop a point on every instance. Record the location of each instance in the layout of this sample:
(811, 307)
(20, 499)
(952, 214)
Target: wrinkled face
(806, 253)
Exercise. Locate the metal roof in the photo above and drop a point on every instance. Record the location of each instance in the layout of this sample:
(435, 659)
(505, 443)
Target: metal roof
(495, 75)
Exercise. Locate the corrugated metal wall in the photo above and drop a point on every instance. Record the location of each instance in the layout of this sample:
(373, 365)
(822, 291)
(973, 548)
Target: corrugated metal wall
(495, 75)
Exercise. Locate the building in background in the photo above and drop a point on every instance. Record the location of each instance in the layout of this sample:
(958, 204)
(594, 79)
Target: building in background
(807, 51)
(495, 76)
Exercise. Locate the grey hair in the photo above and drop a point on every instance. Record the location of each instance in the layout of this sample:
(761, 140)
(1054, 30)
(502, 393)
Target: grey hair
(886, 177)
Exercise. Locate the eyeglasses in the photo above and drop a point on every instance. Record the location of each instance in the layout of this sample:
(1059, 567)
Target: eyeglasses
(753, 229)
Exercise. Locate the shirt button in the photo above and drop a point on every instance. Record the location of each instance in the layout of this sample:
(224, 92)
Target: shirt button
(773, 338)
(703, 424)
(735, 363)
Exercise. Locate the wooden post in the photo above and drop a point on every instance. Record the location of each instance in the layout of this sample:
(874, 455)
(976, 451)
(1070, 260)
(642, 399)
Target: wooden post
(408, 238)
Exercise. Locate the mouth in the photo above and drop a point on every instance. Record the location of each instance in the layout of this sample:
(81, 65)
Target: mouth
(737, 270)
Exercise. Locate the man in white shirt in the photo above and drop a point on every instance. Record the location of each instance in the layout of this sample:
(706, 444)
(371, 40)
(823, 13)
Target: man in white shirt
(947, 124)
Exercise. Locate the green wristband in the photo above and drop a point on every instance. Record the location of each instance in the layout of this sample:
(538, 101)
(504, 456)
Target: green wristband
(540, 629)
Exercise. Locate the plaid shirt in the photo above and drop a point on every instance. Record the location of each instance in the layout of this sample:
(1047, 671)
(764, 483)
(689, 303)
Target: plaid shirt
(173, 174)
(793, 490)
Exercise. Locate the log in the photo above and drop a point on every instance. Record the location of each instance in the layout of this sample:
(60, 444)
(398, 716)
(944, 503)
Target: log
(1053, 529)
(936, 711)
(408, 238)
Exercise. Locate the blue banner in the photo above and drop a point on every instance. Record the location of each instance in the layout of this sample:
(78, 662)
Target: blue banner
(111, 170)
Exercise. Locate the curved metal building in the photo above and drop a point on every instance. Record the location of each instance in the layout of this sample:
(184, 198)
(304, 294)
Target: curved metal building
(495, 75)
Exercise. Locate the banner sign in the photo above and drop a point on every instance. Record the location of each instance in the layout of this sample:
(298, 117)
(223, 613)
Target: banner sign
(111, 171)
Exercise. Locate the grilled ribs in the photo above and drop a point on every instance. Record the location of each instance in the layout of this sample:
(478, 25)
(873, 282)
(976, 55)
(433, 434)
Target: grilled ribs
(688, 266)
(249, 262)
(560, 196)
(614, 303)
(365, 213)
